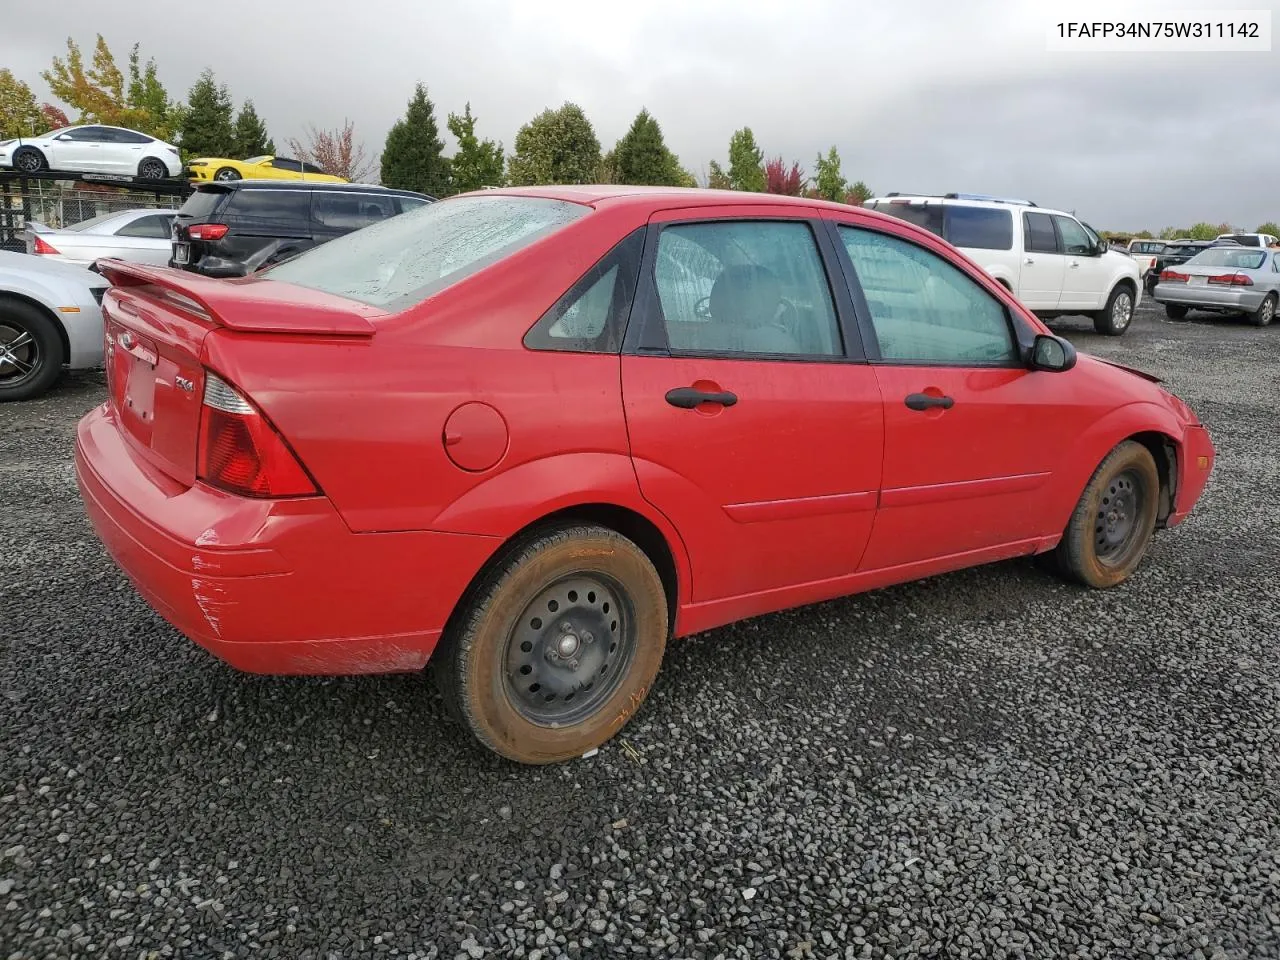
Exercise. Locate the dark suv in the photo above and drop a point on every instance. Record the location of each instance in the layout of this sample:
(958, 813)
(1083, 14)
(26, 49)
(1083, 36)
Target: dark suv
(231, 228)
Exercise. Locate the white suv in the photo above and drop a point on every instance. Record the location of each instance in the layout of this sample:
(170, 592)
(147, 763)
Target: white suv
(1048, 259)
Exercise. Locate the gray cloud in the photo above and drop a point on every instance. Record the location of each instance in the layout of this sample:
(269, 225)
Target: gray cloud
(927, 95)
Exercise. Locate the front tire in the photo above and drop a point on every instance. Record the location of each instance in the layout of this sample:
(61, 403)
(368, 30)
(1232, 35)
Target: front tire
(1115, 317)
(1111, 526)
(1265, 313)
(29, 160)
(226, 174)
(558, 646)
(31, 354)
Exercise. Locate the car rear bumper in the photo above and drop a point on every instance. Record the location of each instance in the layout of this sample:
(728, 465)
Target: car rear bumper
(271, 586)
(1210, 298)
(1195, 466)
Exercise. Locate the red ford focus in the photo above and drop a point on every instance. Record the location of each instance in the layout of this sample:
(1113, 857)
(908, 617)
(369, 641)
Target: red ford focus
(533, 434)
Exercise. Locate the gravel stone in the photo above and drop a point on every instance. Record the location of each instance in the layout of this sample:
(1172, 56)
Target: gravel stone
(991, 763)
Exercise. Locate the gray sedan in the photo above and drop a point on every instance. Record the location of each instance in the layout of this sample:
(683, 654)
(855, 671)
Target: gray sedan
(1228, 279)
(139, 236)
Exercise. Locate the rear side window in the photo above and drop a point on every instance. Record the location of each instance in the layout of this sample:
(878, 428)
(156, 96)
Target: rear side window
(351, 211)
(200, 206)
(154, 227)
(981, 227)
(402, 261)
(271, 210)
(1041, 237)
(591, 317)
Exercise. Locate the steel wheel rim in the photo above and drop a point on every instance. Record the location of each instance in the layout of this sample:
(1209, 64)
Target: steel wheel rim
(1122, 310)
(19, 355)
(28, 162)
(569, 650)
(1118, 521)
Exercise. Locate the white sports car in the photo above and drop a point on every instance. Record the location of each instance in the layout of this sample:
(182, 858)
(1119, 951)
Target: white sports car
(50, 318)
(138, 236)
(93, 149)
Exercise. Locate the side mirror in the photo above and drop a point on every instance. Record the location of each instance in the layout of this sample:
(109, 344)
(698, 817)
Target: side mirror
(1053, 354)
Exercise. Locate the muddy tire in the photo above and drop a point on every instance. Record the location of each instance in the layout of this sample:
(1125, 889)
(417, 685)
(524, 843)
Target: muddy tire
(558, 646)
(1111, 526)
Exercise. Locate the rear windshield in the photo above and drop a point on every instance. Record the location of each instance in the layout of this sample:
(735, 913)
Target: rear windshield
(201, 204)
(402, 261)
(1227, 257)
(1244, 239)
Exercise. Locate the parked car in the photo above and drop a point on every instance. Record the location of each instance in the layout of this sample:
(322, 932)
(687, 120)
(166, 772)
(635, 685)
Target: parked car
(93, 149)
(1052, 262)
(230, 228)
(494, 432)
(50, 319)
(258, 168)
(140, 235)
(1174, 253)
(1233, 279)
(1145, 253)
(1250, 239)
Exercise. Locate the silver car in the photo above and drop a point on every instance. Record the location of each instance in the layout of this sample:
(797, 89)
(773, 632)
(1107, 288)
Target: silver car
(1230, 279)
(138, 236)
(50, 318)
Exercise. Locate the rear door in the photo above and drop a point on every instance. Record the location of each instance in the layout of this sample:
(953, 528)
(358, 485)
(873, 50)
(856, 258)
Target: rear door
(754, 424)
(266, 222)
(338, 212)
(1043, 266)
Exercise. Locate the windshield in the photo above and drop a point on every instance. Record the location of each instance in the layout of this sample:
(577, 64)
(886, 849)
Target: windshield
(407, 258)
(1228, 257)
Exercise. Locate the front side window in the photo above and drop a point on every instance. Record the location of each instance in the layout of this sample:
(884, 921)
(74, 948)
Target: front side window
(982, 228)
(1040, 236)
(1074, 238)
(924, 309)
(403, 260)
(745, 288)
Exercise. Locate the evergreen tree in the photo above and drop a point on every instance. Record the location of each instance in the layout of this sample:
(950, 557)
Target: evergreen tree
(206, 129)
(717, 179)
(829, 183)
(478, 163)
(413, 155)
(251, 138)
(643, 157)
(746, 162)
(556, 146)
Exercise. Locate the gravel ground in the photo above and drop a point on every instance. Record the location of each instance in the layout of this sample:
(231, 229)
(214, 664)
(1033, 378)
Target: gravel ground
(990, 763)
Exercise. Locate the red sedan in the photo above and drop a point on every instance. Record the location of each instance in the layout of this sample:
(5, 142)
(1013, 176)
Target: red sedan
(533, 434)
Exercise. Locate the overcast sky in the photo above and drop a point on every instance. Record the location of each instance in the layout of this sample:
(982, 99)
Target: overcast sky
(917, 95)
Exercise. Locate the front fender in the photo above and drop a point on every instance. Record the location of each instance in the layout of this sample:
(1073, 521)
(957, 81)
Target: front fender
(1091, 447)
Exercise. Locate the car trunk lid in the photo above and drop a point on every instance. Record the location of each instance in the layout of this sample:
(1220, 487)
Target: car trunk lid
(156, 321)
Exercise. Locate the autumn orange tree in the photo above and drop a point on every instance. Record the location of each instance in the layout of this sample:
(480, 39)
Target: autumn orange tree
(334, 151)
(100, 94)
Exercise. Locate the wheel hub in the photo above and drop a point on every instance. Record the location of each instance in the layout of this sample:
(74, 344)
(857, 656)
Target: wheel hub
(568, 650)
(1117, 520)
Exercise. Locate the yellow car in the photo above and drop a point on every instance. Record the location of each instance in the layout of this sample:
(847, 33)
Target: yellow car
(257, 168)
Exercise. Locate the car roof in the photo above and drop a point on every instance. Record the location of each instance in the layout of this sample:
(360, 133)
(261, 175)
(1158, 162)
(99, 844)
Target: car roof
(659, 197)
(226, 186)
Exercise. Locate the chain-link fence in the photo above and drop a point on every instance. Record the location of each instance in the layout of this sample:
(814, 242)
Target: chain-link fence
(62, 203)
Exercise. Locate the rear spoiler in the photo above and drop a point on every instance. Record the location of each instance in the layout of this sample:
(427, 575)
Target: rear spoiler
(35, 226)
(252, 305)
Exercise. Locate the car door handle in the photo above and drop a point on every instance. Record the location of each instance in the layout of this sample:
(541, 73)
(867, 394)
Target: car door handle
(923, 401)
(1073, 264)
(1029, 260)
(688, 398)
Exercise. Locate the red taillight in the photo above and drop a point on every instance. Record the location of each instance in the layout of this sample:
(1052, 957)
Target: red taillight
(241, 452)
(42, 247)
(1174, 277)
(1232, 280)
(207, 231)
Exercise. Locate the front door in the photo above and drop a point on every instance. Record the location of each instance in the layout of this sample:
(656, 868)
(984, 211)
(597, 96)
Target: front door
(1084, 283)
(754, 424)
(79, 150)
(971, 435)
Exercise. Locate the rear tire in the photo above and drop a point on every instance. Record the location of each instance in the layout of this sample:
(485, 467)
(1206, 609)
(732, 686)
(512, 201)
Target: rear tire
(1265, 313)
(1112, 524)
(557, 647)
(1114, 319)
(153, 169)
(1175, 312)
(31, 353)
(29, 160)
